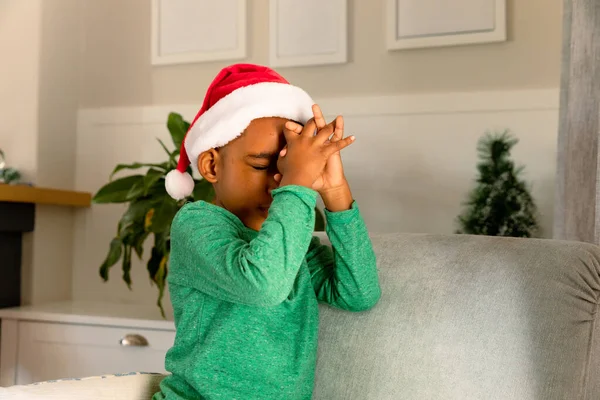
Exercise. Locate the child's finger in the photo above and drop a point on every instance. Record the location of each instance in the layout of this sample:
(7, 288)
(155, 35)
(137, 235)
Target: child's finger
(309, 128)
(319, 119)
(324, 134)
(291, 130)
(277, 177)
(294, 127)
(339, 145)
(338, 132)
(283, 152)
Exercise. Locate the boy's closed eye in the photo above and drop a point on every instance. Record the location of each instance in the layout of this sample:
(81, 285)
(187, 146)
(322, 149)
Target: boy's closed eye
(262, 161)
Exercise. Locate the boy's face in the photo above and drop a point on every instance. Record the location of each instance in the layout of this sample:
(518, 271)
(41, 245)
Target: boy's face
(242, 172)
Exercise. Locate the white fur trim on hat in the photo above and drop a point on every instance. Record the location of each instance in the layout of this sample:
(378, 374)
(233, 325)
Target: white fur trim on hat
(231, 115)
(179, 185)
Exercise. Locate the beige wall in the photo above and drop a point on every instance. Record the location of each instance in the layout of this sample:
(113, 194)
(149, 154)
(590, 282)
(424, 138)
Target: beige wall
(60, 55)
(117, 68)
(58, 93)
(19, 82)
(39, 97)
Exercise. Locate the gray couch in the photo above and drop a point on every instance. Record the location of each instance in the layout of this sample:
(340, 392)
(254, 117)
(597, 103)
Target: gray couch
(461, 317)
(470, 317)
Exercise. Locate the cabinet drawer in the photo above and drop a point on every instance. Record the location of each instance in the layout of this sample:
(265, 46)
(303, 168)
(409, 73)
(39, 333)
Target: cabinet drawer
(54, 351)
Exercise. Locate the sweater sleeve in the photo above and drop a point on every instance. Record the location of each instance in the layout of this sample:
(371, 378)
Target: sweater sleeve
(345, 275)
(208, 252)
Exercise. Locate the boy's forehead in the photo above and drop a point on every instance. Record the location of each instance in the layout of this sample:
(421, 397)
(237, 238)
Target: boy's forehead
(259, 141)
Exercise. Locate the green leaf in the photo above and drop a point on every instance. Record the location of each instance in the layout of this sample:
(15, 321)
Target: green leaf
(127, 234)
(178, 127)
(157, 269)
(152, 176)
(137, 212)
(203, 190)
(162, 241)
(150, 185)
(172, 162)
(134, 236)
(169, 152)
(127, 265)
(137, 165)
(137, 190)
(319, 221)
(154, 262)
(117, 191)
(158, 191)
(114, 253)
(160, 278)
(163, 216)
(138, 243)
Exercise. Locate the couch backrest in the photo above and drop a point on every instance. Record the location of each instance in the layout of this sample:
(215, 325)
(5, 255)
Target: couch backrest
(469, 317)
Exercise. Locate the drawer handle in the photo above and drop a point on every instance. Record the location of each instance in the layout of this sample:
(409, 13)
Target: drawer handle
(133, 341)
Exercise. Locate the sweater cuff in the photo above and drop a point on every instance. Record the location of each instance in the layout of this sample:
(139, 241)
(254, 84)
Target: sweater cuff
(307, 195)
(342, 217)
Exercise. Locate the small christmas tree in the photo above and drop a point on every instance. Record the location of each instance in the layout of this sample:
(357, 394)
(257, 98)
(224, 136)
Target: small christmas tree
(500, 204)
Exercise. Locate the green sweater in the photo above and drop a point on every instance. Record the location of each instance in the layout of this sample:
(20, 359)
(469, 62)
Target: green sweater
(246, 302)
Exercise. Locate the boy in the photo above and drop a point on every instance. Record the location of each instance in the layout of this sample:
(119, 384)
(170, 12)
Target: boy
(246, 274)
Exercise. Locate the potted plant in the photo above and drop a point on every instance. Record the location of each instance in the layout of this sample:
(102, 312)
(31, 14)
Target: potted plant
(7, 175)
(150, 211)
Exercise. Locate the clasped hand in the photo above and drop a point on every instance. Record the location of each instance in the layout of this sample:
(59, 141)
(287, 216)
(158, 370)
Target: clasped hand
(311, 156)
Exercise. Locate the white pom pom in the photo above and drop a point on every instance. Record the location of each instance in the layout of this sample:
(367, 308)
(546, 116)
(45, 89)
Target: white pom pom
(179, 185)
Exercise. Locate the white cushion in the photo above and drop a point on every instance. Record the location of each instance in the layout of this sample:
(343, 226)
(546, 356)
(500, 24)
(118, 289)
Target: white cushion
(131, 386)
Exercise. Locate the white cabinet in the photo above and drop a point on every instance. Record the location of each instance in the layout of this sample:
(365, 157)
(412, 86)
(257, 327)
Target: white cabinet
(39, 345)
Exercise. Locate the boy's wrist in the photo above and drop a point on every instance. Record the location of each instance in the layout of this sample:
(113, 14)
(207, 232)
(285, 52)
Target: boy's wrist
(338, 198)
(307, 195)
(297, 180)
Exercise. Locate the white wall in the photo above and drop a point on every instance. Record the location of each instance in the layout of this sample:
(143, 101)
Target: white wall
(410, 168)
(117, 70)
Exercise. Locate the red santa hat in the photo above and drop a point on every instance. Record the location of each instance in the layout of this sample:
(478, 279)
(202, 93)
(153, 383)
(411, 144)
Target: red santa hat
(239, 94)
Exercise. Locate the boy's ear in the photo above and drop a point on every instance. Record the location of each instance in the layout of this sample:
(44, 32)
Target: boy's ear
(207, 165)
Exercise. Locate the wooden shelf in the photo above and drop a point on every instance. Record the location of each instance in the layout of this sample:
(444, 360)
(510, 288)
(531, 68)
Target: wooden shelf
(36, 195)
